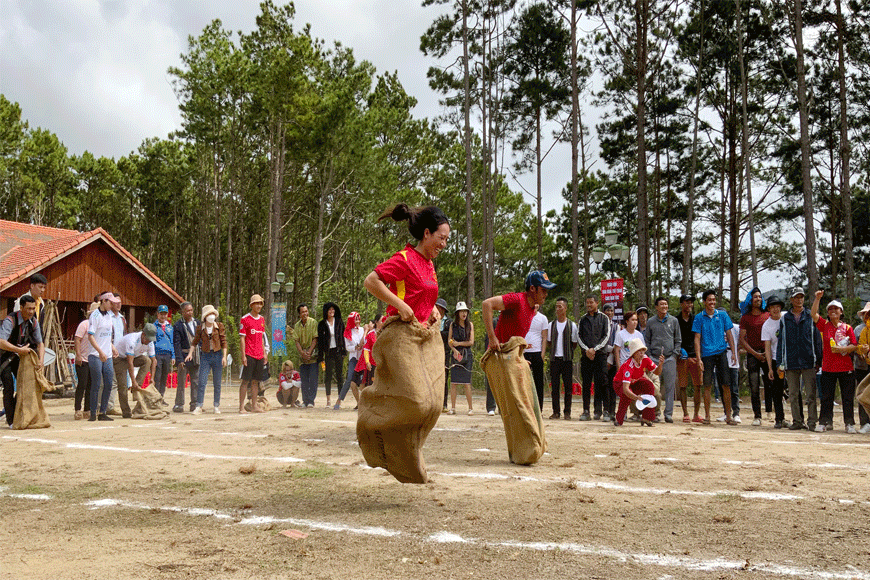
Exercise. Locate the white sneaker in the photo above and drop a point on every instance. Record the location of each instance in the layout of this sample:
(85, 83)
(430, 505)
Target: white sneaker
(865, 429)
(217, 410)
(491, 413)
(471, 411)
(197, 411)
(309, 406)
(755, 423)
(737, 419)
(820, 428)
(722, 418)
(850, 429)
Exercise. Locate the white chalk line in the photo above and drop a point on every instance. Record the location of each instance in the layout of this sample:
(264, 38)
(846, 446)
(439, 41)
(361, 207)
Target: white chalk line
(491, 476)
(173, 452)
(33, 496)
(447, 537)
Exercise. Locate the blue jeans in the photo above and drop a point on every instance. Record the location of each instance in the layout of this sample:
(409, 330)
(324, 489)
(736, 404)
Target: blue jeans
(102, 374)
(351, 365)
(210, 361)
(308, 373)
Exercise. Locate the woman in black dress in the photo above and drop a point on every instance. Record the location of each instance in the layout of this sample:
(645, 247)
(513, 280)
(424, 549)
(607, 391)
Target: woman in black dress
(460, 342)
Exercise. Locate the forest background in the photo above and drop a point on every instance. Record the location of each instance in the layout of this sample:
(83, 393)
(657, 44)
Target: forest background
(730, 140)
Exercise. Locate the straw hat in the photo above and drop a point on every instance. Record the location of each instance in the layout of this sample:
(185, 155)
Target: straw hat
(636, 345)
(864, 311)
(208, 309)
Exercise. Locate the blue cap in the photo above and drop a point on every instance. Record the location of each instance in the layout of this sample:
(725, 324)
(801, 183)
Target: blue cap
(162, 308)
(539, 279)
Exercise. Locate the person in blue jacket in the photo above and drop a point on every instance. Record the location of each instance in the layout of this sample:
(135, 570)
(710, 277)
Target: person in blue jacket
(799, 354)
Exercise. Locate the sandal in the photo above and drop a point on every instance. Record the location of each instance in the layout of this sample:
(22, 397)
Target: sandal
(686, 419)
(706, 422)
(697, 419)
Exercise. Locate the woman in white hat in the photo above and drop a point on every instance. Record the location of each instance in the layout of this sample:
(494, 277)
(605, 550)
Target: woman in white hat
(838, 344)
(460, 340)
(211, 336)
(630, 382)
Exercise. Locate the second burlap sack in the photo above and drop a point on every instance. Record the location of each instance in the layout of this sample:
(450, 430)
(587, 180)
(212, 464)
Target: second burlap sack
(399, 409)
(148, 403)
(510, 379)
(31, 383)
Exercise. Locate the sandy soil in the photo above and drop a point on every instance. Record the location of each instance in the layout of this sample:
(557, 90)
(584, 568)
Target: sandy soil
(208, 497)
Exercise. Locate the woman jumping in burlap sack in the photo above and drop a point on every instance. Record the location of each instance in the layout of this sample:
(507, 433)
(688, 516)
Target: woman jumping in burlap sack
(400, 408)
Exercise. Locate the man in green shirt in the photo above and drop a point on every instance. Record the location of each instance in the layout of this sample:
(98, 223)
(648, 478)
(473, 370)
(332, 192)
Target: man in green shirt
(305, 335)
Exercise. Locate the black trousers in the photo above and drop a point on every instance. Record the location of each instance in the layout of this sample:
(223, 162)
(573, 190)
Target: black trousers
(595, 369)
(83, 386)
(334, 369)
(755, 368)
(537, 364)
(561, 369)
(8, 372)
(610, 394)
(777, 390)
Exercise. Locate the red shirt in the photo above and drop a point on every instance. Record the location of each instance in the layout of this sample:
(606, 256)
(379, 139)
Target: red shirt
(253, 329)
(412, 278)
(629, 372)
(832, 362)
(516, 319)
(371, 337)
(752, 324)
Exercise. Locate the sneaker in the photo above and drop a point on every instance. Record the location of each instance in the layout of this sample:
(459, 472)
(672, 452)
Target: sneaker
(337, 407)
(451, 412)
(558, 416)
(669, 420)
(471, 411)
(567, 416)
(819, 428)
(597, 416)
(736, 418)
(217, 410)
(178, 409)
(777, 425)
(605, 417)
(850, 429)
(755, 422)
(309, 406)
(197, 411)
(583, 417)
(444, 410)
(491, 413)
(104, 417)
(114, 412)
(865, 428)
(93, 417)
(723, 418)
(796, 426)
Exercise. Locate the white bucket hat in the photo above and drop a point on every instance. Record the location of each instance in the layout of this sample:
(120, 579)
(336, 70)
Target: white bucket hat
(635, 345)
(460, 306)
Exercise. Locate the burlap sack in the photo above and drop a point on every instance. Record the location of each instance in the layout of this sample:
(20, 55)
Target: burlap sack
(149, 403)
(510, 379)
(31, 382)
(399, 409)
(262, 403)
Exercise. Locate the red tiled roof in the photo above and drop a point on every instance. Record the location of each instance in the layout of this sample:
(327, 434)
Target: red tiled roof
(26, 248)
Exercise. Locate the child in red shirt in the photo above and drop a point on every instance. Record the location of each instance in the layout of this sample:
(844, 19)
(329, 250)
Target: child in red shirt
(630, 382)
(289, 383)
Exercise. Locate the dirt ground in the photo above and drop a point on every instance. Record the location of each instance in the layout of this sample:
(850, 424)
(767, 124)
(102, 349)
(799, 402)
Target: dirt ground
(208, 496)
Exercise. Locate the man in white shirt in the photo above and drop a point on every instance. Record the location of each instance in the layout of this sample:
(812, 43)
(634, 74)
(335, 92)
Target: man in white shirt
(562, 339)
(119, 329)
(100, 357)
(770, 338)
(136, 350)
(537, 340)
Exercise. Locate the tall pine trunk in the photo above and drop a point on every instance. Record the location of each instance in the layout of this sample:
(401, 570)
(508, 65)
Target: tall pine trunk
(747, 158)
(690, 202)
(466, 106)
(643, 278)
(845, 187)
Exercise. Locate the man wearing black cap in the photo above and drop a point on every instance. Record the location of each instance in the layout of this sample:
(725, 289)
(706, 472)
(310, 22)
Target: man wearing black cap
(518, 309)
(689, 363)
(642, 316)
(770, 338)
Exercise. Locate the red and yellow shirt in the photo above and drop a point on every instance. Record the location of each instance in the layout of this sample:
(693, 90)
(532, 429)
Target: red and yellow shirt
(412, 278)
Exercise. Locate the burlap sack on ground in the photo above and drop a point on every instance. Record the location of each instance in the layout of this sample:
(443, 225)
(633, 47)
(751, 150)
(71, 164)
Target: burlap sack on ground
(399, 409)
(510, 379)
(149, 403)
(29, 412)
(262, 403)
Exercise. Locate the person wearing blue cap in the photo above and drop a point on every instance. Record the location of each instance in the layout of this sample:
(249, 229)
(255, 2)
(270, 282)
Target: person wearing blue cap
(163, 348)
(518, 309)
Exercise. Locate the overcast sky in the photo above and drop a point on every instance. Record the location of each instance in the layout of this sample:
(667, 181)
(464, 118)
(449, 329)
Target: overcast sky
(94, 72)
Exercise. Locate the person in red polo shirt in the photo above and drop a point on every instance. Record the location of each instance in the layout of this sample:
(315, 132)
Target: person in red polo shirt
(517, 309)
(838, 344)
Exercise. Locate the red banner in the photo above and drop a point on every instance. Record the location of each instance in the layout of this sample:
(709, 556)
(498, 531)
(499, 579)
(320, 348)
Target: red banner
(613, 292)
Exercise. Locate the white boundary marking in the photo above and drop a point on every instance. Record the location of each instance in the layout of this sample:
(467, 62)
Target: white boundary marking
(447, 537)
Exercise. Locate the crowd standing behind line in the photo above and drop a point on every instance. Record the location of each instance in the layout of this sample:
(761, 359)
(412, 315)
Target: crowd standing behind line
(783, 348)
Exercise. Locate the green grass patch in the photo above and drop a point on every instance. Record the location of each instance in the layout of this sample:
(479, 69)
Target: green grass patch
(316, 471)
